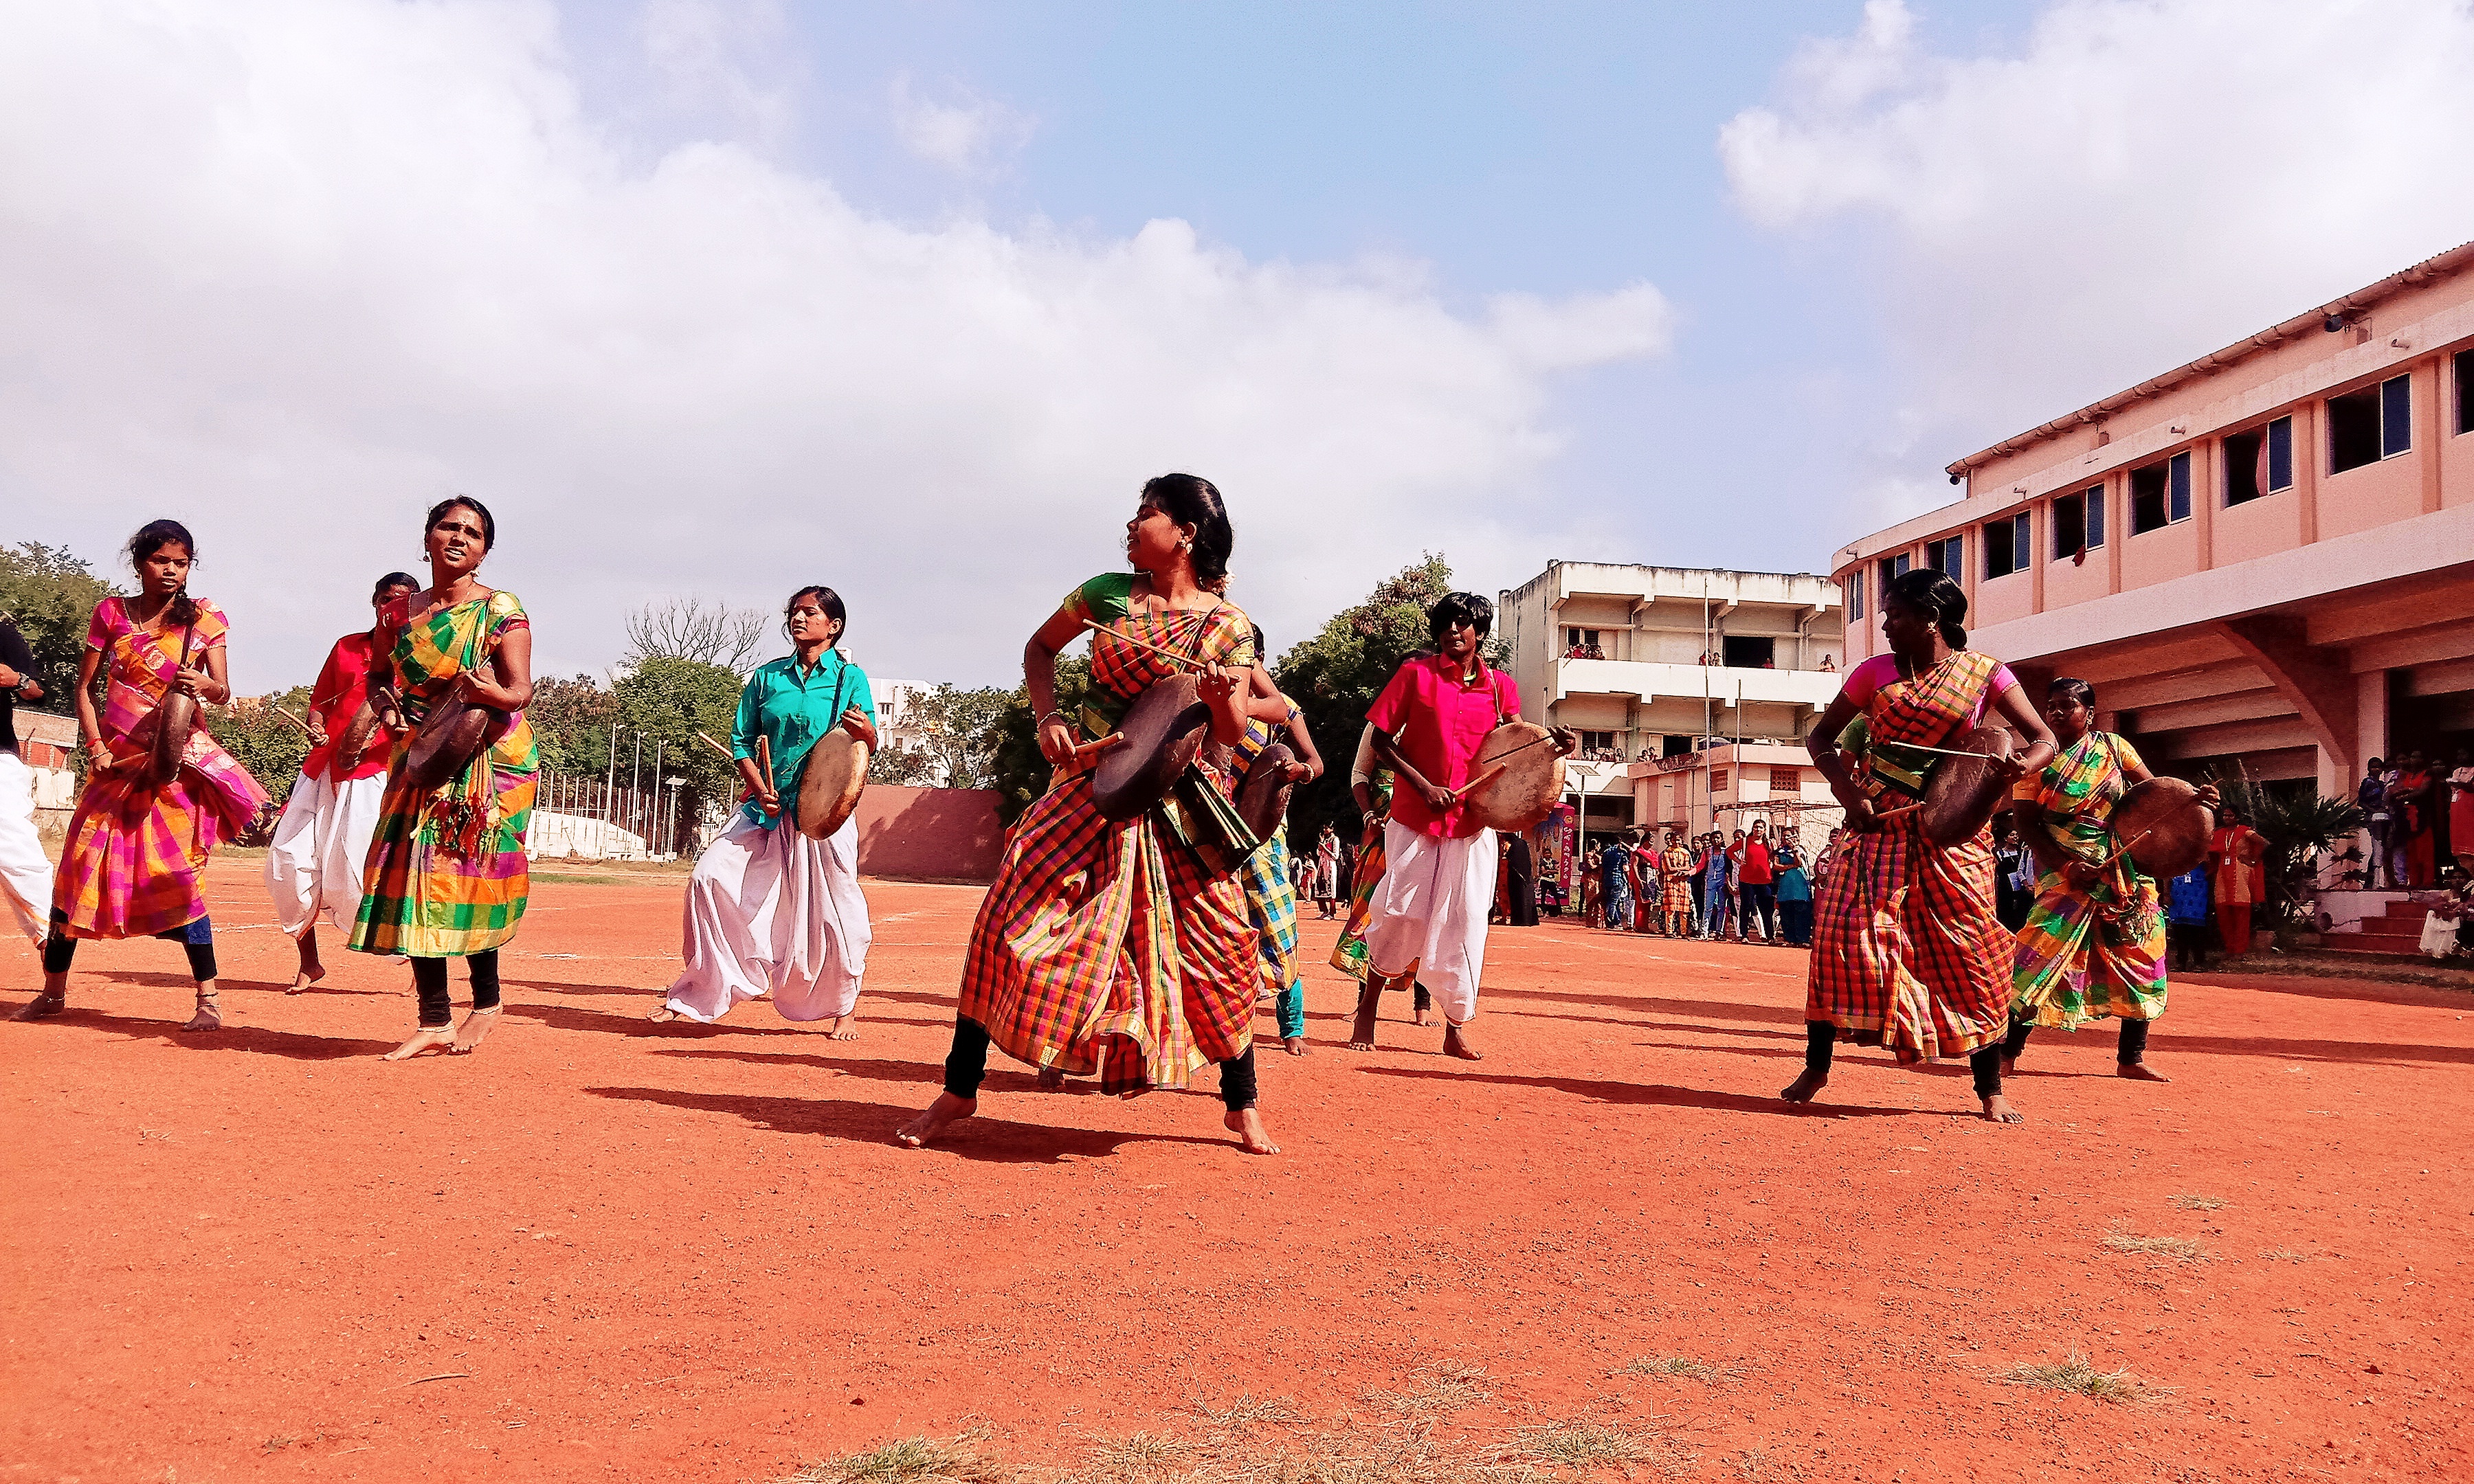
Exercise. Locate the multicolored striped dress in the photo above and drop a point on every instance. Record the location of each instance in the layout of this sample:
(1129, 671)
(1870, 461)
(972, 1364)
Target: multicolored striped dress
(2098, 951)
(1122, 946)
(1906, 951)
(446, 875)
(129, 865)
(1348, 954)
(1271, 897)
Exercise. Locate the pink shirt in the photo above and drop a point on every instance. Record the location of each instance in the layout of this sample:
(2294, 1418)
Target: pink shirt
(1438, 720)
(1866, 681)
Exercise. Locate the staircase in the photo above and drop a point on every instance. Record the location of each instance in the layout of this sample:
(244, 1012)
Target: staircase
(2397, 929)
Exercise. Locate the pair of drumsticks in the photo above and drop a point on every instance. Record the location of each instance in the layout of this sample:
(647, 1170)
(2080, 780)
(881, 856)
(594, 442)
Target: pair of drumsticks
(764, 759)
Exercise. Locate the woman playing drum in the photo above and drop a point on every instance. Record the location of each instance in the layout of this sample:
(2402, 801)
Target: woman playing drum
(1124, 947)
(2095, 940)
(138, 842)
(771, 910)
(313, 865)
(446, 875)
(1906, 951)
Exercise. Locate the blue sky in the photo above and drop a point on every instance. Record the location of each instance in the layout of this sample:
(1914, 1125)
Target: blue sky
(717, 298)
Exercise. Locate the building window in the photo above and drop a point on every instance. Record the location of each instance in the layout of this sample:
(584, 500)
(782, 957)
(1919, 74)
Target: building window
(1785, 780)
(2464, 364)
(1856, 593)
(2005, 546)
(2078, 523)
(1948, 557)
(2160, 494)
(1582, 644)
(1748, 653)
(1674, 746)
(1717, 781)
(2259, 462)
(1596, 744)
(1892, 569)
(2371, 425)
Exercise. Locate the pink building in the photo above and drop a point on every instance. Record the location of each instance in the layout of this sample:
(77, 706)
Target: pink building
(2264, 557)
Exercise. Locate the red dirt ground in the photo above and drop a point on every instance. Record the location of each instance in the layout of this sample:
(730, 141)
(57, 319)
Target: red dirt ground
(694, 1254)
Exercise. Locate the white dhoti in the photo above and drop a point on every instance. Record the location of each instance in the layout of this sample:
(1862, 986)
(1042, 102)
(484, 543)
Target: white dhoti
(313, 865)
(25, 871)
(1431, 913)
(772, 912)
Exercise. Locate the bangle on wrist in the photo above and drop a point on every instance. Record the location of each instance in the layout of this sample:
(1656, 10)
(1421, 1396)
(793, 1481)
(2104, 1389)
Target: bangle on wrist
(1045, 716)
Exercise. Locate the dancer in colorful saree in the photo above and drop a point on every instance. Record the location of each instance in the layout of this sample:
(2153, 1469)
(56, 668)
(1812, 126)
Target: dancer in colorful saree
(2095, 940)
(1124, 947)
(136, 849)
(447, 877)
(313, 865)
(1906, 951)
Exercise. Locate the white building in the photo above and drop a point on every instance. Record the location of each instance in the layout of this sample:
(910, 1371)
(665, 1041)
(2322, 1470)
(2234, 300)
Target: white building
(898, 727)
(1656, 663)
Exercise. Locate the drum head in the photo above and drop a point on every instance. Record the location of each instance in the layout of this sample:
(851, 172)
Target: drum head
(1961, 793)
(830, 781)
(175, 718)
(1263, 797)
(1163, 730)
(455, 732)
(1530, 784)
(2164, 825)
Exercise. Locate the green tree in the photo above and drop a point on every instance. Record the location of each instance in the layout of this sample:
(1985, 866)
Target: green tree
(571, 720)
(2298, 823)
(964, 731)
(1017, 769)
(1335, 676)
(51, 595)
(669, 701)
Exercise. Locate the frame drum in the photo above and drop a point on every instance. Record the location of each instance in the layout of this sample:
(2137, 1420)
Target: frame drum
(175, 717)
(1164, 731)
(456, 731)
(830, 782)
(2163, 826)
(1526, 783)
(1961, 793)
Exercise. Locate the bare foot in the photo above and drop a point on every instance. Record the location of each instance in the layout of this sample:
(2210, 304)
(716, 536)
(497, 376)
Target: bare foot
(1998, 1110)
(42, 1006)
(422, 1040)
(476, 1027)
(663, 1015)
(1251, 1137)
(1051, 1078)
(1370, 1000)
(310, 973)
(1802, 1088)
(1293, 1045)
(2138, 1072)
(940, 1115)
(844, 1027)
(1456, 1043)
(210, 1016)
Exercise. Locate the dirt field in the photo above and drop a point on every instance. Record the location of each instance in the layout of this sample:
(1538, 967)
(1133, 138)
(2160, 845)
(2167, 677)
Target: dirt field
(603, 1249)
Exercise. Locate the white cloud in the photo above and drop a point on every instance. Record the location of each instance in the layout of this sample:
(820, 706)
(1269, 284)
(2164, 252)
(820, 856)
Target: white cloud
(291, 271)
(959, 136)
(2138, 184)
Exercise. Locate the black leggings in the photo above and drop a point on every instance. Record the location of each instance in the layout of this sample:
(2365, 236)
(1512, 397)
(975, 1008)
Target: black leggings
(968, 1062)
(429, 981)
(198, 937)
(1985, 1061)
(2132, 1050)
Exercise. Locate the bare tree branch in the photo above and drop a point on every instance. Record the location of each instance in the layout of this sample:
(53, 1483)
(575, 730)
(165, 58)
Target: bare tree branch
(688, 629)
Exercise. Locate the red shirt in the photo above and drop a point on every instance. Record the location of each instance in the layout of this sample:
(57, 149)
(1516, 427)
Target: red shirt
(1438, 719)
(1754, 863)
(342, 686)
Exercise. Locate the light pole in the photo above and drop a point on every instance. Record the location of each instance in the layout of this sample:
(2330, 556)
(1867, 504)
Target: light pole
(673, 785)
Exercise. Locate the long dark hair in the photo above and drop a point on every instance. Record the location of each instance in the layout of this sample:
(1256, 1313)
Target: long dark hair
(1934, 595)
(152, 537)
(438, 513)
(828, 600)
(2076, 690)
(1192, 500)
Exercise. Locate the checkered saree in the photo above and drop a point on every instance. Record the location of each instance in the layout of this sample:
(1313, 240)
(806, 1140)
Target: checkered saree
(2098, 951)
(1110, 946)
(1905, 949)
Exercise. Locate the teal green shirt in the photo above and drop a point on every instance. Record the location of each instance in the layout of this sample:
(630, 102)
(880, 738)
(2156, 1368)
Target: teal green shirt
(790, 711)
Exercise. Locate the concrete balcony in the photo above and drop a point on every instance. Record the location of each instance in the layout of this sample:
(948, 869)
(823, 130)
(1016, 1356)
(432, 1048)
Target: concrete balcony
(1725, 684)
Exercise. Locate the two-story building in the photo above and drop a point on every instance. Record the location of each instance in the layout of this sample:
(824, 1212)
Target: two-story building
(2262, 559)
(1654, 662)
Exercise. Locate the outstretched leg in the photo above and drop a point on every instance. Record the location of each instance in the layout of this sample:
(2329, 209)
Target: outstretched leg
(965, 1065)
(1820, 1039)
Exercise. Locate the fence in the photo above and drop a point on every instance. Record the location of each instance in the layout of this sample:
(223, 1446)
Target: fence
(595, 819)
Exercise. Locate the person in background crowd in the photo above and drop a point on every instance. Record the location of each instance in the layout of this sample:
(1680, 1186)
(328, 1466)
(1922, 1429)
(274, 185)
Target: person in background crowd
(1614, 883)
(25, 871)
(1326, 877)
(1756, 884)
(1590, 867)
(2460, 809)
(2012, 896)
(2234, 853)
(1829, 665)
(1675, 870)
(2410, 798)
(2186, 919)
(1649, 888)
(1718, 890)
(2371, 797)
(1794, 895)
(1698, 881)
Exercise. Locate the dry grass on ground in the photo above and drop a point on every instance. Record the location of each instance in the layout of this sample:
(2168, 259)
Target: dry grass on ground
(2079, 1378)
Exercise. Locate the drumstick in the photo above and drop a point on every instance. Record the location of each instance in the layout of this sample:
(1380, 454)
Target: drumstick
(1164, 654)
(2107, 863)
(1891, 814)
(1481, 780)
(1945, 751)
(717, 747)
(294, 720)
